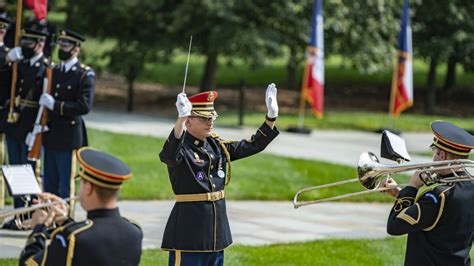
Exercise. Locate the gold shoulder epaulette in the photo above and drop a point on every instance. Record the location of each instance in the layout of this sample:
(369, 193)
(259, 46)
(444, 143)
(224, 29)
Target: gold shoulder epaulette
(133, 222)
(85, 67)
(214, 135)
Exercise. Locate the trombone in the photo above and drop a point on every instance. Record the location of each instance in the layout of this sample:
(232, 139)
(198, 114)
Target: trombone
(371, 174)
(25, 224)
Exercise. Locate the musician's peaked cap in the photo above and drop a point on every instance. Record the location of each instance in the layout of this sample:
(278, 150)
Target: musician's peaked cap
(452, 138)
(203, 104)
(71, 36)
(102, 169)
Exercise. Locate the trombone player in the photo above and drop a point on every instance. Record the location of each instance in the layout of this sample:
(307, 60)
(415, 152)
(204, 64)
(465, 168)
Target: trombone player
(439, 219)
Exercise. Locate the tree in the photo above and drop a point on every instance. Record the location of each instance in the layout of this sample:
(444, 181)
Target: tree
(139, 27)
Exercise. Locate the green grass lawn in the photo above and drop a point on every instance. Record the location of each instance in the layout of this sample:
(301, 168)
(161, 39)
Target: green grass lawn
(389, 251)
(366, 121)
(260, 177)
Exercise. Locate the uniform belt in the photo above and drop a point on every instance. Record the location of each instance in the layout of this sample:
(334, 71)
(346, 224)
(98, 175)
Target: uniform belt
(211, 196)
(28, 103)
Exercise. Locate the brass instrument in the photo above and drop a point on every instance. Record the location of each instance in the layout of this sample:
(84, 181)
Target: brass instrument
(372, 174)
(25, 224)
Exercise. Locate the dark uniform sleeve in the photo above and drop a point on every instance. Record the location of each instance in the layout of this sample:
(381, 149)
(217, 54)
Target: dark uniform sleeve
(409, 216)
(35, 246)
(83, 103)
(169, 153)
(257, 143)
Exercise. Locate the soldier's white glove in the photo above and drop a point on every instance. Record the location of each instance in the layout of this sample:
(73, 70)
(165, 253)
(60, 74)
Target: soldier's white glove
(15, 55)
(271, 101)
(47, 101)
(30, 138)
(183, 105)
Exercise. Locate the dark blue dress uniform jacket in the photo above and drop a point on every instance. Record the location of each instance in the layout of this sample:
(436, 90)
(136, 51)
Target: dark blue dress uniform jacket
(5, 84)
(73, 92)
(193, 168)
(105, 238)
(439, 223)
(29, 87)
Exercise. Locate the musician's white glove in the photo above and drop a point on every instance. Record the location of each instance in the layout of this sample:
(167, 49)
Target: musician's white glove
(47, 101)
(183, 105)
(15, 55)
(271, 101)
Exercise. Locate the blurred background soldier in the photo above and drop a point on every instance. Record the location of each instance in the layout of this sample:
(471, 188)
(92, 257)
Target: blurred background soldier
(105, 238)
(29, 85)
(71, 97)
(5, 83)
(439, 218)
(198, 162)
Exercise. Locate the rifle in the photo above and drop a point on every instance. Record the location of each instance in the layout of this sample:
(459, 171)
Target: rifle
(34, 138)
(12, 116)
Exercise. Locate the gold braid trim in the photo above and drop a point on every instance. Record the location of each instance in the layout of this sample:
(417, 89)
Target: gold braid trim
(72, 242)
(407, 218)
(440, 211)
(229, 165)
(400, 202)
(31, 261)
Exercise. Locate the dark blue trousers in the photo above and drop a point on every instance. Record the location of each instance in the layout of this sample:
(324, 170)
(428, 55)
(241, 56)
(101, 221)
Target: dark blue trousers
(58, 171)
(181, 258)
(18, 154)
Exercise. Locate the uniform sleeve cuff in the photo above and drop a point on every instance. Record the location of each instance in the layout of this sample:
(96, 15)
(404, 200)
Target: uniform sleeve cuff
(268, 131)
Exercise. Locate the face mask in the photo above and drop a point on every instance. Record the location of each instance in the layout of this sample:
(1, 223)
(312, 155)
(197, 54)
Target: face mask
(63, 55)
(27, 52)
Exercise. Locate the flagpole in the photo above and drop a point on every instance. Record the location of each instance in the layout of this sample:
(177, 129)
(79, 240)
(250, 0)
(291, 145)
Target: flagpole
(301, 112)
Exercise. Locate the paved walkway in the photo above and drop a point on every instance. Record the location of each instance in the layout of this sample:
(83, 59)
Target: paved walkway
(252, 222)
(257, 222)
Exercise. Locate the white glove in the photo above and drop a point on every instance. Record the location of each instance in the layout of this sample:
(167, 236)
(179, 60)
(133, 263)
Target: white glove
(15, 55)
(47, 100)
(183, 105)
(271, 101)
(30, 138)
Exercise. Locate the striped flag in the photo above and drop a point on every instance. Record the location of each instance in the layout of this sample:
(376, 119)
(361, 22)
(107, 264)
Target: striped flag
(402, 82)
(313, 79)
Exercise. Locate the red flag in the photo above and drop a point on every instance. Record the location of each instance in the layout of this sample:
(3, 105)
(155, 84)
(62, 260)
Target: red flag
(313, 80)
(39, 7)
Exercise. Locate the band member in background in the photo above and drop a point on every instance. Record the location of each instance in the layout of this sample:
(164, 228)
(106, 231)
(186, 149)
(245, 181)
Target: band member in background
(29, 85)
(439, 219)
(105, 238)
(72, 95)
(198, 162)
(5, 86)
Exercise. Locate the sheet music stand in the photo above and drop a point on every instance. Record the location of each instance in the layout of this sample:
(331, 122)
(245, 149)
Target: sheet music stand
(20, 180)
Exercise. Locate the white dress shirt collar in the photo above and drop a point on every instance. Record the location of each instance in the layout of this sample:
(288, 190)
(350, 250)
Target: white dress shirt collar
(68, 64)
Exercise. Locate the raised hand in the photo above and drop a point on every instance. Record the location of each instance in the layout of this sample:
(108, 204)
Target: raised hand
(183, 105)
(271, 101)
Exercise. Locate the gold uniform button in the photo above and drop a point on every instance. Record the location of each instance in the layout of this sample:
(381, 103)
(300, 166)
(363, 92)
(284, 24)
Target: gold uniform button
(58, 86)
(69, 87)
(56, 94)
(213, 185)
(21, 81)
(21, 89)
(73, 123)
(210, 176)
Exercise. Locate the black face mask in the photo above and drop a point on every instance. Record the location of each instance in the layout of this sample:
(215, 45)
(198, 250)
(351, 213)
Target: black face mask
(63, 55)
(27, 52)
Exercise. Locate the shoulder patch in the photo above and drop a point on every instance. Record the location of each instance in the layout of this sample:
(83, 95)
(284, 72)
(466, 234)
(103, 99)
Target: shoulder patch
(90, 73)
(432, 197)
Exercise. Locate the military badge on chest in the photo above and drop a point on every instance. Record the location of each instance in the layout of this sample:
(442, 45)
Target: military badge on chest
(197, 159)
(200, 176)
